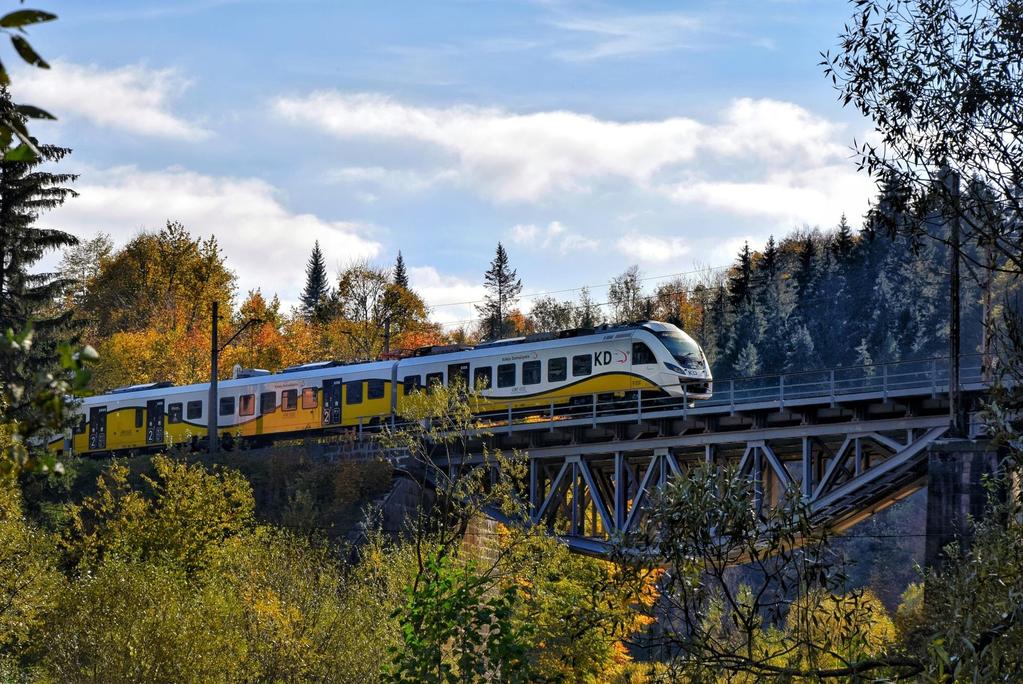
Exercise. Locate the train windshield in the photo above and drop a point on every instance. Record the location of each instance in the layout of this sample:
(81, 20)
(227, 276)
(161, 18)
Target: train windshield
(682, 347)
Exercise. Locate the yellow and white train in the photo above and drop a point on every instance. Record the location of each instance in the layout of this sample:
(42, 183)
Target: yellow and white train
(563, 371)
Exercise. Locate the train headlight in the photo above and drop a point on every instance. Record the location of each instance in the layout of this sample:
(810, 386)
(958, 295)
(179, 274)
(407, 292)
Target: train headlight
(673, 367)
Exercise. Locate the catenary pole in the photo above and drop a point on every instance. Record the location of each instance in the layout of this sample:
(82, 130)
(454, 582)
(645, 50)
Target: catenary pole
(954, 394)
(211, 413)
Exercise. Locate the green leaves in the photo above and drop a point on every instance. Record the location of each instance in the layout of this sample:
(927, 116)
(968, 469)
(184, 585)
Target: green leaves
(27, 53)
(34, 112)
(14, 23)
(25, 17)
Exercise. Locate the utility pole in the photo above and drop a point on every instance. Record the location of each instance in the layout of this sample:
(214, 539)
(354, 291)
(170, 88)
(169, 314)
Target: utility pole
(211, 414)
(955, 398)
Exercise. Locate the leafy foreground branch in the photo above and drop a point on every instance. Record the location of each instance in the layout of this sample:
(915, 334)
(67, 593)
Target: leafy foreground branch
(758, 596)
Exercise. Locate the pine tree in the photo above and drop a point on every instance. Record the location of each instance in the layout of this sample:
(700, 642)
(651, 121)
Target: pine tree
(769, 263)
(394, 300)
(747, 363)
(315, 294)
(805, 258)
(26, 192)
(740, 279)
(799, 355)
(503, 287)
(400, 275)
(772, 299)
(842, 245)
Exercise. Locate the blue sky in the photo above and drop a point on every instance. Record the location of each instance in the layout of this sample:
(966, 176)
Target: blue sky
(586, 136)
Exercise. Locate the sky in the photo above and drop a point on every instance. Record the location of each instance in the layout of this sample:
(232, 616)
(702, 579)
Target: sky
(585, 136)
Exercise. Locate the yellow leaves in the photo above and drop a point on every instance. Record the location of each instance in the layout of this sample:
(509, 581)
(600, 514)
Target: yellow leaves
(189, 513)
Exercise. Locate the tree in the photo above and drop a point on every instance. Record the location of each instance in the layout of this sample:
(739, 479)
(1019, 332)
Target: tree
(625, 296)
(370, 309)
(314, 296)
(843, 242)
(148, 309)
(938, 78)
(503, 287)
(550, 315)
(26, 296)
(80, 264)
(700, 527)
(400, 275)
(588, 313)
(160, 280)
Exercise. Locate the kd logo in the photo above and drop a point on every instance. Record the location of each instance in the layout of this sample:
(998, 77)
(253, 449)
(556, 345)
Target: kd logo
(602, 358)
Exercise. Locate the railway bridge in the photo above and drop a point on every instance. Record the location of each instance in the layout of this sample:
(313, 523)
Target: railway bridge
(854, 440)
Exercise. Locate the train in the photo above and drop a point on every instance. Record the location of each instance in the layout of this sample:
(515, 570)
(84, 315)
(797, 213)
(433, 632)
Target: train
(558, 372)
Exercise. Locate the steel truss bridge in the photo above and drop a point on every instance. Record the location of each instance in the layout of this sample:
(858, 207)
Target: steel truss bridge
(854, 440)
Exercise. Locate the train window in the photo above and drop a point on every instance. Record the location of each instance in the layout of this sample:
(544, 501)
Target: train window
(353, 392)
(140, 417)
(174, 412)
(268, 402)
(506, 375)
(193, 410)
(483, 377)
(582, 365)
(289, 400)
(309, 398)
(80, 425)
(530, 372)
(434, 379)
(641, 354)
(410, 384)
(557, 369)
(247, 405)
(227, 406)
(458, 373)
(375, 389)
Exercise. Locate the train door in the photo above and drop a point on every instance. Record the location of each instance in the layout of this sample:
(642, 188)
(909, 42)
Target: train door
(332, 401)
(97, 428)
(154, 421)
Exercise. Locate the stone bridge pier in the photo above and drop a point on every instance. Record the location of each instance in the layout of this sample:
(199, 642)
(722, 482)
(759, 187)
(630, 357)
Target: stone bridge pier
(956, 493)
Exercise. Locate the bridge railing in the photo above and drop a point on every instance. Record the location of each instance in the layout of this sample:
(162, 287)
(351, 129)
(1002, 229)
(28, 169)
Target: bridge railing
(899, 377)
(880, 378)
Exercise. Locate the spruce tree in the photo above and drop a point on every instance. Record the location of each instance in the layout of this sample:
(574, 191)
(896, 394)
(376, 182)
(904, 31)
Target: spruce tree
(400, 276)
(26, 193)
(842, 245)
(503, 287)
(314, 296)
(740, 280)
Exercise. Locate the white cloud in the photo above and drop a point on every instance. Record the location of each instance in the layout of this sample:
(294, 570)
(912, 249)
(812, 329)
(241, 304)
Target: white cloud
(629, 35)
(451, 298)
(266, 244)
(529, 157)
(652, 249)
(814, 197)
(132, 98)
(554, 236)
(395, 180)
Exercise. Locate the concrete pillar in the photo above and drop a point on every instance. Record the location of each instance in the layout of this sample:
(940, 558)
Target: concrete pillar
(955, 472)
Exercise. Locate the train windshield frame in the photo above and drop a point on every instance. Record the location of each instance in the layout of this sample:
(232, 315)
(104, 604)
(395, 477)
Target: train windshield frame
(682, 347)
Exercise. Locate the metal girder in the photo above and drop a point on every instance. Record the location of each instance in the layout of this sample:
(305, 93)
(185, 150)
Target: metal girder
(603, 486)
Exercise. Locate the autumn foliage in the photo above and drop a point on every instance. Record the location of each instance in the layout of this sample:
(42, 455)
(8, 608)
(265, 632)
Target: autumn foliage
(147, 308)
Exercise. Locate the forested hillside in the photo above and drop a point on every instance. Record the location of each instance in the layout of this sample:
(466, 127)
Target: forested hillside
(816, 298)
